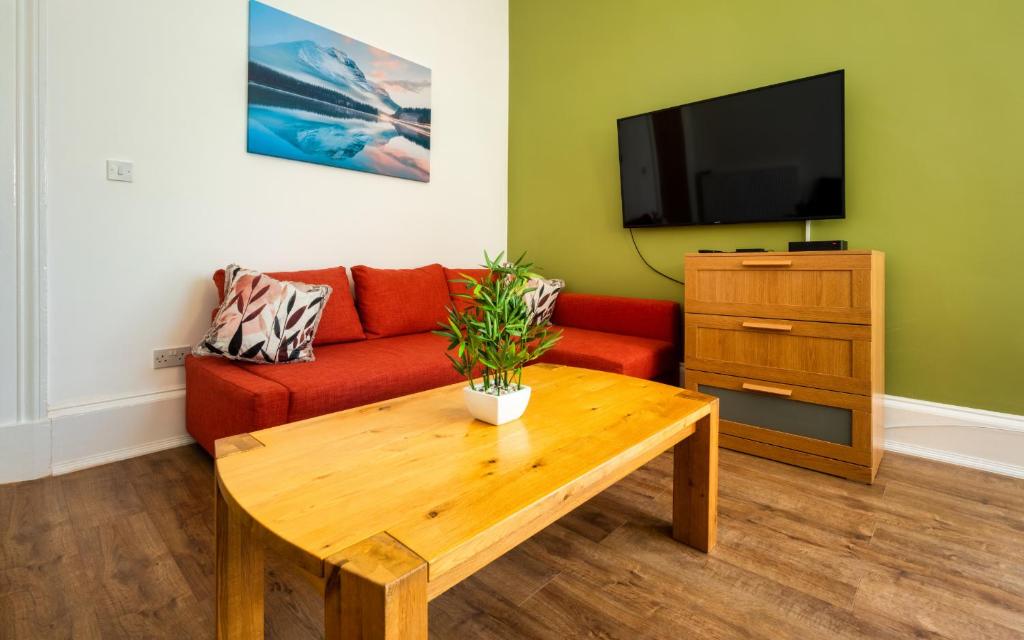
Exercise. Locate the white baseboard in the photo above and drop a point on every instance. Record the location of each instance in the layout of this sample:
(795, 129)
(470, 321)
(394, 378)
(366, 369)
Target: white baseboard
(91, 434)
(910, 412)
(101, 432)
(975, 438)
(123, 453)
(24, 451)
(959, 459)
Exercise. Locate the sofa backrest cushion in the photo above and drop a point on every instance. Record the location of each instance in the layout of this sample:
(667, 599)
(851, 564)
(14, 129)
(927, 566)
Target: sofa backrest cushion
(395, 302)
(455, 288)
(640, 317)
(340, 321)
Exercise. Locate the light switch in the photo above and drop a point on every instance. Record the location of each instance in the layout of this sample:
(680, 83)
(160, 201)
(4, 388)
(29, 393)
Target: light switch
(120, 171)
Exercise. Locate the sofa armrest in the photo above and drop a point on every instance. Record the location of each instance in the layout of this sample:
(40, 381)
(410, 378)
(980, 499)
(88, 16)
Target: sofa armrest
(644, 318)
(223, 399)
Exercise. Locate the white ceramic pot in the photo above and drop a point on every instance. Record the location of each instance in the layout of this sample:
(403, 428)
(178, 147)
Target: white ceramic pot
(496, 409)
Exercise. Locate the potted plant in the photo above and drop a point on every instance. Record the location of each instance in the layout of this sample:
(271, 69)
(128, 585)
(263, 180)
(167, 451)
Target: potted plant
(494, 337)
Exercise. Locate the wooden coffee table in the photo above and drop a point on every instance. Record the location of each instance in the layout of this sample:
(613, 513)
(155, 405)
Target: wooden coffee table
(386, 506)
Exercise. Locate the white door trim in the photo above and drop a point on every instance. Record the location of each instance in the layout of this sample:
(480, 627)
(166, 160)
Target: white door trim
(31, 213)
(26, 445)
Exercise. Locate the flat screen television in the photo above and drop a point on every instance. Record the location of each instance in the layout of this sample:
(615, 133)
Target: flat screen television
(763, 155)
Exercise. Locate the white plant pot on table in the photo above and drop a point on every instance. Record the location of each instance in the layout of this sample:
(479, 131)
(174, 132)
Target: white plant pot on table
(494, 409)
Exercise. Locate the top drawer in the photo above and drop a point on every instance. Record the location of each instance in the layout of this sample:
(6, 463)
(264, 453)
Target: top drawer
(829, 287)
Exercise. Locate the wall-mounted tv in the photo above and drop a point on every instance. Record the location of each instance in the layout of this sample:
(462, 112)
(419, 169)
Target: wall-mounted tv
(764, 155)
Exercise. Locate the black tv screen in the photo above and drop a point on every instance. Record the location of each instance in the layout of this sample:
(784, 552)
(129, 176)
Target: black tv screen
(768, 154)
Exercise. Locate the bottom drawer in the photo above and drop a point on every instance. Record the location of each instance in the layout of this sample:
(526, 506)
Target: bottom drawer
(825, 423)
(850, 471)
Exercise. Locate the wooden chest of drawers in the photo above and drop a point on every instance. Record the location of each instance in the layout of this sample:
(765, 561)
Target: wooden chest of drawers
(794, 345)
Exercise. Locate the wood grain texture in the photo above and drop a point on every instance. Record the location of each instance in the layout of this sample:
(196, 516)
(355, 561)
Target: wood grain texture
(826, 287)
(858, 452)
(877, 360)
(455, 491)
(929, 551)
(831, 346)
(239, 570)
(225, 447)
(759, 447)
(695, 485)
(376, 590)
(825, 355)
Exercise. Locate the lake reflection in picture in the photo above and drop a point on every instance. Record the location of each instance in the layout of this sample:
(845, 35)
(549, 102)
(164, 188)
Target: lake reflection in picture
(318, 96)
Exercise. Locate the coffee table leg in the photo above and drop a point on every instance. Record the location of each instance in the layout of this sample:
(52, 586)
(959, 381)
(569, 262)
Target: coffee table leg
(376, 590)
(695, 485)
(239, 574)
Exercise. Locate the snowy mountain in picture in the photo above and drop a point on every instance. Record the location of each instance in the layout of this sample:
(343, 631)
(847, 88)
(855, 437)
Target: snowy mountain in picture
(324, 66)
(322, 97)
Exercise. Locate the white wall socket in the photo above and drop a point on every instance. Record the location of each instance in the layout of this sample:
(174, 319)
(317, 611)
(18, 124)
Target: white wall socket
(120, 171)
(173, 357)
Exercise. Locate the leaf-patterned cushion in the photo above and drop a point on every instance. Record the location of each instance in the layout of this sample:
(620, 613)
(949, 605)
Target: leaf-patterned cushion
(541, 300)
(264, 320)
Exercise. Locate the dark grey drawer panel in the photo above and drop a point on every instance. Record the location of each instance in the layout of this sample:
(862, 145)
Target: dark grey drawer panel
(831, 424)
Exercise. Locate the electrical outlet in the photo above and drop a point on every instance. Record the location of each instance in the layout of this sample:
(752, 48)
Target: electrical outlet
(173, 357)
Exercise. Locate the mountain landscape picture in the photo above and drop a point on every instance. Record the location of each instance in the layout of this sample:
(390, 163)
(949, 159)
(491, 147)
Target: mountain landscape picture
(319, 96)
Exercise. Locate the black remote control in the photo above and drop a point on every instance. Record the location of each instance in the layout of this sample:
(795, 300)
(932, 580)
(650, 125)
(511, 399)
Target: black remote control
(710, 251)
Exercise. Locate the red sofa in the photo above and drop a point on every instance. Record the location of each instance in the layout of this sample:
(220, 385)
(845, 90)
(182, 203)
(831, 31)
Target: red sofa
(379, 346)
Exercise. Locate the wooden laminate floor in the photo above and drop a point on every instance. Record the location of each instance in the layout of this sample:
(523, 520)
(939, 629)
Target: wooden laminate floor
(930, 551)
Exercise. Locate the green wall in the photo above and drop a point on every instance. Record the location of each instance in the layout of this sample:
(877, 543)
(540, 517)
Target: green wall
(935, 156)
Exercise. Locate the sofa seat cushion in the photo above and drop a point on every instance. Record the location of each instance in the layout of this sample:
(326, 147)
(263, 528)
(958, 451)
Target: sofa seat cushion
(357, 373)
(629, 355)
(223, 399)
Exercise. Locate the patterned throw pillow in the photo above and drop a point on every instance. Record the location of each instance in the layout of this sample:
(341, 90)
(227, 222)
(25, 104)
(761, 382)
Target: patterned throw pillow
(264, 320)
(541, 301)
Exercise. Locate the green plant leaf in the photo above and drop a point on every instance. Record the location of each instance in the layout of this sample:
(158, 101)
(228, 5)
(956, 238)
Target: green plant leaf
(496, 331)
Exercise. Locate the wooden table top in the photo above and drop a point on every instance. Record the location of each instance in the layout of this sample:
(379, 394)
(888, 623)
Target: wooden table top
(450, 488)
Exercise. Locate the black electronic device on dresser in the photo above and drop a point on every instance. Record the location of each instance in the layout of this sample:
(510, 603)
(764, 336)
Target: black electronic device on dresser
(818, 245)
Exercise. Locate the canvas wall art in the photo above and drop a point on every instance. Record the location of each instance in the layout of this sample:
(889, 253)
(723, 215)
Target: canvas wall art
(319, 96)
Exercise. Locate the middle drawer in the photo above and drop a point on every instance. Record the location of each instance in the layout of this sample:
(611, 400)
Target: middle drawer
(822, 355)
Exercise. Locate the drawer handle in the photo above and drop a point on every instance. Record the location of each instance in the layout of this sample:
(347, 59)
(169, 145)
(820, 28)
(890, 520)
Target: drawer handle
(775, 391)
(767, 263)
(768, 326)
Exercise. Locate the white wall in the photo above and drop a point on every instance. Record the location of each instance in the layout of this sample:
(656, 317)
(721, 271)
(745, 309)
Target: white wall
(127, 265)
(165, 87)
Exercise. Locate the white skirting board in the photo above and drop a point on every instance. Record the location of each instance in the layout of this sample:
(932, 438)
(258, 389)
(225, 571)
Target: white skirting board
(94, 434)
(974, 438)
(88, 435)
(24, 451)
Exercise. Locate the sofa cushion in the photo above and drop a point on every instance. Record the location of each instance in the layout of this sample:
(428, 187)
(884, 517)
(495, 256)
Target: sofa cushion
(656, 319)
(457, 288)
(395, 302)
(340, 322)
(357, 373)
(540, 298)
(222, 399)
(629, 355)
(264, 319)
